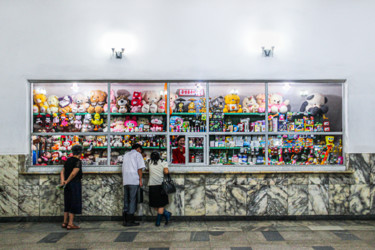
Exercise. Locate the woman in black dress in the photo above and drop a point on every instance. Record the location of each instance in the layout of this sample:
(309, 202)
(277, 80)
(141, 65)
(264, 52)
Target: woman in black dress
(157, 199)
(71, 176)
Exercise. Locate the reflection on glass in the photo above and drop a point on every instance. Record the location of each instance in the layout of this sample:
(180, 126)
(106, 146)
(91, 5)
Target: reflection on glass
(305, 150)
(178, 149)
(237, 150)
(196, 152)
(55, 150)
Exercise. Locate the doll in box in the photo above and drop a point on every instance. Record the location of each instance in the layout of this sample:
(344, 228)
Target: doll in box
(180, 106)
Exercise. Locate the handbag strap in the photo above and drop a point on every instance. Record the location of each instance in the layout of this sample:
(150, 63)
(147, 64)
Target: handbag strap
(167, 177)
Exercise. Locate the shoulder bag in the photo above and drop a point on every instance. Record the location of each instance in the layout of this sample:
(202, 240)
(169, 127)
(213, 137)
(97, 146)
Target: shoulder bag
(168, 186)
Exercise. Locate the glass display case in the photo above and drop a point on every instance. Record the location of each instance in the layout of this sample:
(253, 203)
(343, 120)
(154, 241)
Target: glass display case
(241, 125)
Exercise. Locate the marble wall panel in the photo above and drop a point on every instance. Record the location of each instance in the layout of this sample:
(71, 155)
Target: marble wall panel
(237, 179)
(339, 199)
(215, 200)
(92, 179)
(8, 201)
(360, 163)
(298, 200)
(30, 180)
(177, 200)
(194, 197)
(49, 180)
(318, 179)
(341, 179)
(28, 200)
(372, 199)
(236, 199)
(216, 179)
(297, 179)
(257, 179)
(277, 179)
(359, 199)
(111, 202)
(318, 199)
(9, 170)
(256, 200)
(92, 201)
(277, 200)
(51, 201)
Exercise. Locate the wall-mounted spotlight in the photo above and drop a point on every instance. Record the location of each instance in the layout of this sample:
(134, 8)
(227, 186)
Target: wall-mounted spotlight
(267, 52)
(118, 53)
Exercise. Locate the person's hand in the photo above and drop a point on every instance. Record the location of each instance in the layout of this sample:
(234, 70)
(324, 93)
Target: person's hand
(140, 183)
(62, 183)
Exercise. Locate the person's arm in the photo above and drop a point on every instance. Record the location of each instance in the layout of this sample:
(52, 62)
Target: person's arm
(62, 178)
(165, 168)
(72, 175)
(141, 166)
(140, 173)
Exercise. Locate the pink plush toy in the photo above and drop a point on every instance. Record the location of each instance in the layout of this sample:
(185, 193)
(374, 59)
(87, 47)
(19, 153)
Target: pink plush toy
(113, 107)
(130, 124)
(156, 123)
(277, 105)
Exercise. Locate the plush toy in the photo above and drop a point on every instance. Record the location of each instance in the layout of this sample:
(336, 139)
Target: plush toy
(191, 106)
(143, 124)
(38, 123)
(172, 104)
(136, 102)
(232, 104)
(48, 123)
(315, 104)
(149, 101)
(277, 105)
(101, 141)
(71, 119)
(261, 100)
(53, 104)
(156, 123)
(217, 104)
(180, 105)
(122, 104)
(80, 103)
(56, 120)
(161, 106)
(64, 121)
(113, 106)
(98, 99)
(130, 124)
(86, 127)
(78, 122)
(40, 101)
(118, 126)
(117, 141)
(201, 105)
(250, 105)
(55, 157)
(65, 104)
(97, 121)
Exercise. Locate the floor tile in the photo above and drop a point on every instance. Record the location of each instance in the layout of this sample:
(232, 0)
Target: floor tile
(345, 235)
(240, 248)
(159, 248)
(325, 228)
(126, 237)
(90, 237)
(273, 236)
(199, 236)
(52, 238)
(323, 248)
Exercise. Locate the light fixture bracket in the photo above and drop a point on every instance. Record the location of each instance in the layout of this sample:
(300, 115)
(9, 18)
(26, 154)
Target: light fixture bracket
(267, 52)
(118, 53)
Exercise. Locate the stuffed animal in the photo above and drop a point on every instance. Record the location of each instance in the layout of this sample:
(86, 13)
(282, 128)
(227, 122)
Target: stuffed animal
(55, 157)
(250, 105)
(64, 121)
(113, 106)
(161, 106)
(136, 102)
(217, 104)
(78, 122)
(232, 104)
(143, 124)
(191, 106)
(122, 104)
(97, 121)
(98, 99)
(53, 104)
(86, 127)
(277, 105)
(40, 101)
(65, 104)
(101, 141)
(117, 141)
(149, 101)
(180, 105)
(38, 123)
(130, 124)
(118, 126)
(261, 100)
(48, 123)
(80, 103)
(315, 104)
(156, 123)
(172, 104)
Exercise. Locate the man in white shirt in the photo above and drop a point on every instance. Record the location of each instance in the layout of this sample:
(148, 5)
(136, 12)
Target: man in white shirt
(132, 166)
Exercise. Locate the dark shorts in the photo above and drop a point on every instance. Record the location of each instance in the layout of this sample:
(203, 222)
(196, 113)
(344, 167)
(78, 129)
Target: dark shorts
(73, 198)
(156, 198)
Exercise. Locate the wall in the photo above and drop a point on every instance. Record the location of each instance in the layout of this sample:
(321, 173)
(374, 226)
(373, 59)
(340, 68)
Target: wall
(186, 40)
(198, 195)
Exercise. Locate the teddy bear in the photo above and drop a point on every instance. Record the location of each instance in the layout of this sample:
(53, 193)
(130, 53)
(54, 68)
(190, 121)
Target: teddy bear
(80, 103)
(156, 123)
(232, 104)
(277, 105)
(53, 104)
(65, 104)
(40, 101)
(149, 101)
(130, 124)
(98, 99)
(315, 104)
(122, 101)
(261, 100)
(250, 105)
(161, 106)
(117, 141)
(86, 126)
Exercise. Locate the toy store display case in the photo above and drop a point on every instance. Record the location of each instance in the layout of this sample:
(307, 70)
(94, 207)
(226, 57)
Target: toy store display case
(226, 126)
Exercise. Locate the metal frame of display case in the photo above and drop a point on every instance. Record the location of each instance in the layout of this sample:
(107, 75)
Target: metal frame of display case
(191, 167)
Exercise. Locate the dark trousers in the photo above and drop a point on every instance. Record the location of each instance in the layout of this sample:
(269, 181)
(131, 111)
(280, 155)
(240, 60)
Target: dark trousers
(130, 198)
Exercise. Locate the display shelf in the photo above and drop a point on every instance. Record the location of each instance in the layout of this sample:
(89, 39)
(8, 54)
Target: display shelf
(69, 113)
(126, 114)
(244, 114)
(142, 147)
(234, 147)
(186, 113)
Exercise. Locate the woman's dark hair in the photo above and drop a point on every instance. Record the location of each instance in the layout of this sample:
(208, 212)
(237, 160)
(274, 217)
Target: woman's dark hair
(77, 149)
(155, 157)
(136, 146)
(180, 137)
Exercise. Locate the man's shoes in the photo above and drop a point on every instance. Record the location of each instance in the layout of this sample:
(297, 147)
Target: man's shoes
(167, 216)
(130, 222)
(125, 219)
(158, 220)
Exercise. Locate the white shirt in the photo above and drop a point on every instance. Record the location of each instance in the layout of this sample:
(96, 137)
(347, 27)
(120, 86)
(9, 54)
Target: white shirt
(130, 165)
(156, 172)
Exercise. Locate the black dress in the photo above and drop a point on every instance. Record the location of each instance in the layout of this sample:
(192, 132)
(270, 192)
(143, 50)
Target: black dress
(156, 198)
(73, 190)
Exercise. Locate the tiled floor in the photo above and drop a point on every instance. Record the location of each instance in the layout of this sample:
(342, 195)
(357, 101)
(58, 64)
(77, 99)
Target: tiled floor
(237, 235)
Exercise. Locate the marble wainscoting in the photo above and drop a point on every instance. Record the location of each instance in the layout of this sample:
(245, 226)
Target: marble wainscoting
(200, 194)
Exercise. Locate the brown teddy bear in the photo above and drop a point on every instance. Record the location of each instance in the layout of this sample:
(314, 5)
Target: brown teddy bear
(98, 99)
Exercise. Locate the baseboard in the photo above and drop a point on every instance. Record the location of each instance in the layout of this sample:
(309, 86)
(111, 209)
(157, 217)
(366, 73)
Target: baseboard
(191, 218)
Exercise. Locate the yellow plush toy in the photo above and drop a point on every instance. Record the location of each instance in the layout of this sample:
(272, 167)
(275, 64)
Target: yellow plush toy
(40, 101)
(53, 103)
(232, 104)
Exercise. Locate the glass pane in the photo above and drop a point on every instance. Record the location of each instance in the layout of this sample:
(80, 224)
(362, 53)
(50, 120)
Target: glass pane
(196, 150)
(188, 105)
(305, 150)
(297, 107)
(55, 150)
(178, 149)
(122, 144)
(237, 150)
(69, 107)
(237, 107)
(138, 107)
